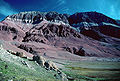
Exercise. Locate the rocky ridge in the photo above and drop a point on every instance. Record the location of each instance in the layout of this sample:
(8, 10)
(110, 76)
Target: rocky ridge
(36, 17)
(71, 33)
(94, 23)
(19, 59)
(82, 22)
(41, 46)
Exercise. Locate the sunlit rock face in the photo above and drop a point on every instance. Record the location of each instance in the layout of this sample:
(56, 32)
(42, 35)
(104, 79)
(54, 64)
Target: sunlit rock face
(91, 24)
(49, 32)
(36, 17)
(80, 33)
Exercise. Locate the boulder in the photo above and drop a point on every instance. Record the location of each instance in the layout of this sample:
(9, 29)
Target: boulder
(39, 59)
(51, 66)
(42, 61)
(20, 54)
(12, 52)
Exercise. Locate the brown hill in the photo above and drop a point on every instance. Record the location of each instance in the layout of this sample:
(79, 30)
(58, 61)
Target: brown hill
(59, 36)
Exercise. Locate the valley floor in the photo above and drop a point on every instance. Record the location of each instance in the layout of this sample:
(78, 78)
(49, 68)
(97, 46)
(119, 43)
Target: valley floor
(93, 70)
(14, 68)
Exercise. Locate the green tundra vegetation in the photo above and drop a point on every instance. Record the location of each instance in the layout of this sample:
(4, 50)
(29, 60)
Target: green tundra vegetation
(15, 68)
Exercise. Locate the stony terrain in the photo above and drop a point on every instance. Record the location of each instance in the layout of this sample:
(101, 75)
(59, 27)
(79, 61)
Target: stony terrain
(62, 38)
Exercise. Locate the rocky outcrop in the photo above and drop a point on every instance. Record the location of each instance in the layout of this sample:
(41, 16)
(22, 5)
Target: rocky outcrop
(49, 32)
(36, 17)
(56, 17)
(76, 50)
(10, 33)
(49, 65)
(39, 59)
(27, 48)
(85, 22)
(54, 29)
(20, 54)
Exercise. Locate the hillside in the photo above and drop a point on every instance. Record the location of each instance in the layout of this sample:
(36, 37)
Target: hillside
(70, 42)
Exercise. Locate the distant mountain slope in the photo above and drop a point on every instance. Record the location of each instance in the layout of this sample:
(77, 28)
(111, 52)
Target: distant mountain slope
(118, 21)
(83, 34)
(90, 17)
(89, 23)
(92, 21)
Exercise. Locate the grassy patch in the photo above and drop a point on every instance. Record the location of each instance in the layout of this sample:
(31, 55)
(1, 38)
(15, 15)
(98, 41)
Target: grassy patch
(93, 71)
(20, 69)
(23, 73)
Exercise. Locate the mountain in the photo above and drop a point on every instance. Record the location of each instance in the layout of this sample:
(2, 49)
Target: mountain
(61, 30)
(71, 33)
(93, 23)
(36, 17)
(118, 21)
(49, 46)
(90, 17)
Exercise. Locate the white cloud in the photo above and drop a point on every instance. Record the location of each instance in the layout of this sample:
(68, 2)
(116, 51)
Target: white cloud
(6, 9)
(59, 3)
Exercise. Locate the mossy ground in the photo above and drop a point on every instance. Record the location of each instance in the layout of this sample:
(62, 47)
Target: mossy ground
(11, 68)
(22, 73)
(21, 69)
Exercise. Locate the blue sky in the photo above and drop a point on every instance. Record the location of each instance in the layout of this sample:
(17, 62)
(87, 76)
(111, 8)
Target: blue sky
(110, 8)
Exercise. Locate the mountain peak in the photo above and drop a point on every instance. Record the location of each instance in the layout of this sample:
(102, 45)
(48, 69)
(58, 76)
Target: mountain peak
(35, 17)
(90, 17)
